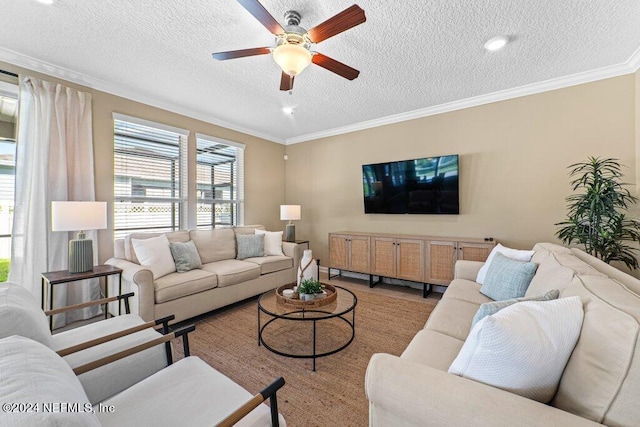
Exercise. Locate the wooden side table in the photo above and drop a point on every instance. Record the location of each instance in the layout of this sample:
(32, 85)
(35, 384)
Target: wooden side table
(63, 276)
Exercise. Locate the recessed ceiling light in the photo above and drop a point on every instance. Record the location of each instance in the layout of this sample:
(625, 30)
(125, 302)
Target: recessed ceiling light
(46, 1)
(287, 110)
(496, 43)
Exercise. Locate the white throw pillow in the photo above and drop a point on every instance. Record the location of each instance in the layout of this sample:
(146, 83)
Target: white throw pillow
(20, 314)
(516, 254)
(272, 242)
(155, 254)
(523, 348)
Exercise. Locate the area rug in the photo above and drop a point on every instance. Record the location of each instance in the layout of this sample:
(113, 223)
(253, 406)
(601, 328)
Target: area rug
(334, 394)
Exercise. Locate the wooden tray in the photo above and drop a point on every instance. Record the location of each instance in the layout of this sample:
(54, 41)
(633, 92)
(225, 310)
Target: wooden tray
(317, 302)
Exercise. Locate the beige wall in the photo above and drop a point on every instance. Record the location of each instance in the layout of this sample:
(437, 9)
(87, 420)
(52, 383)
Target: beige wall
(513, 159)
(264, 164)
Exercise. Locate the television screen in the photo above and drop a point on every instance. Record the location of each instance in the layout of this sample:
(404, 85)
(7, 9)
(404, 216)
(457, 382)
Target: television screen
(419, 186)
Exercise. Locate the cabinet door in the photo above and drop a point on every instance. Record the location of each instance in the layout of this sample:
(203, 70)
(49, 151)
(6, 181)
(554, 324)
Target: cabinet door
(338, 255)
(474, 251)
(410, 259)
(442, 259)
(383, 255)
(359, 254)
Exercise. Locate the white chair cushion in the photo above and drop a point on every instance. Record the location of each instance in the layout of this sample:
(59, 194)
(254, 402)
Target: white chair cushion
(33, 374)
(20, 314)
(515, 254)
(523, 348)
(187, 393)
(110, 379)
(155, 254)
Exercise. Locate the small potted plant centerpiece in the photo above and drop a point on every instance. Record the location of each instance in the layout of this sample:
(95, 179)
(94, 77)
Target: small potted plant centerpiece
(309, 288)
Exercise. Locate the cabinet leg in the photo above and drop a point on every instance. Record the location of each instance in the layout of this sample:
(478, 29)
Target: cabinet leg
(371, 284)
(426, 289)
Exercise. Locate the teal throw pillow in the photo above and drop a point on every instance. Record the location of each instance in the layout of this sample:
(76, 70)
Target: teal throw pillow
(250, 245)
(185, 255)
(507, 278)
(489, 308)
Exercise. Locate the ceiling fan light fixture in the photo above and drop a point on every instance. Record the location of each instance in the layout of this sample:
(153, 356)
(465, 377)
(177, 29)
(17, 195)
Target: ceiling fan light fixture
(292, 58)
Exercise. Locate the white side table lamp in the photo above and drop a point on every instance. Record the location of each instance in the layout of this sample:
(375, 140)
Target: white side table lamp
(290, 213)
(79, 216)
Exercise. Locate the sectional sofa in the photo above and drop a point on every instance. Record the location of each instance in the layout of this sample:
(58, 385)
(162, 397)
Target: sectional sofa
(600, 383)
(222, 279)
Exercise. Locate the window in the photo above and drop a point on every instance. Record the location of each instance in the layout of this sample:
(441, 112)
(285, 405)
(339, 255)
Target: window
(149, 171)
(8, 120)
(219, 178)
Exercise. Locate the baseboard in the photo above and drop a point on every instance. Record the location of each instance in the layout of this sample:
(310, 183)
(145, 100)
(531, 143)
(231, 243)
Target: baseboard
(386, 280)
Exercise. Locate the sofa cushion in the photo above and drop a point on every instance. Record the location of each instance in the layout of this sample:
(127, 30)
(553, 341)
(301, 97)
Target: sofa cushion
(507, 278)
(452, 317)
(523, 348)
(580, 267)
(185, 256)
(154, 253)
(516, 254)
(490, 308)
(250, 245)
(215, 245)
(187, 393)
(173, 236)
(433, 349)
(627, 280)
(550, 275)
(177, 285)
(465, 290)
(269, 264)
(602, 379)
(233, 271)
(20, 314)
(33, 374)
(247, 229)
(112, 378)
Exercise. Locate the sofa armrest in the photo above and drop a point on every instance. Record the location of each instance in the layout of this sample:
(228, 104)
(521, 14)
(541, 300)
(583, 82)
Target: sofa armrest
(139, 280)
(402, 392)
(467, 270)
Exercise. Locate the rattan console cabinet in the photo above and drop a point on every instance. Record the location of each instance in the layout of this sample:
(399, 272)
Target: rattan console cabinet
(429, 260)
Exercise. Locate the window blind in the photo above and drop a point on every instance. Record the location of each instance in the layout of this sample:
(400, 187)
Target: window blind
(149, 178)
(220, 182)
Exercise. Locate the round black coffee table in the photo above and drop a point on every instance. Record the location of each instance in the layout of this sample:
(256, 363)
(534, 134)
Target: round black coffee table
(268, 304)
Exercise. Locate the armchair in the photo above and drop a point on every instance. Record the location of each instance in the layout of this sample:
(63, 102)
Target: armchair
(21, 315)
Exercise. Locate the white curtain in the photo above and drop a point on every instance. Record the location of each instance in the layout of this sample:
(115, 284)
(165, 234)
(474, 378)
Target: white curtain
(54, 161)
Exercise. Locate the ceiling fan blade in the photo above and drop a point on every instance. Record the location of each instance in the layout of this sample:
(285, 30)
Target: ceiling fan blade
(286, 82)
(344, 20)
(335, 66)
(260, 13)
(232, 54)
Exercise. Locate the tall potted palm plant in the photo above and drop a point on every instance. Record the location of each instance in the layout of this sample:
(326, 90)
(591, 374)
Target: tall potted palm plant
(596, 216)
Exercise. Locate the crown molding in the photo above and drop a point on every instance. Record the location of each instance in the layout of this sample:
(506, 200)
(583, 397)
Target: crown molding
(25, 61)
(628, 67)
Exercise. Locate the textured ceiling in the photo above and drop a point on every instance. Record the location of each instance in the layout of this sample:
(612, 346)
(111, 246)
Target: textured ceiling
(412, 55)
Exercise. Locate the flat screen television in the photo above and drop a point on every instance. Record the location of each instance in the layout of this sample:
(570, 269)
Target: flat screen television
(419, 186)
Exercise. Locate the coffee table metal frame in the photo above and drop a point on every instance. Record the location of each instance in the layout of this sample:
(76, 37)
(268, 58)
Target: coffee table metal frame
(295, 311)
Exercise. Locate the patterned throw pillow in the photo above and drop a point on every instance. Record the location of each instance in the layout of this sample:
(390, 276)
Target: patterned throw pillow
(489, 308)
(250, 245)
(185, 256)
(507, 278)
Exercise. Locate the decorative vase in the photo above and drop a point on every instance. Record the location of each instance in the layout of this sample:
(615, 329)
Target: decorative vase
(308, 268)
(307, 297)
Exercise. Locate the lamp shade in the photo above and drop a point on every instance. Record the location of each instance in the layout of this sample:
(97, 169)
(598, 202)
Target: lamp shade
(292, 58)
(78, 216)
(290, 212)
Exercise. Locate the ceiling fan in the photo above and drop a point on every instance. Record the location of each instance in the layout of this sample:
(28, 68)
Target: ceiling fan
(293, 43)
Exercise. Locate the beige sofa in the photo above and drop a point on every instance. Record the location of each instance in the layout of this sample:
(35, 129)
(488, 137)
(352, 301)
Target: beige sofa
(600, 384)
(221, 281)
